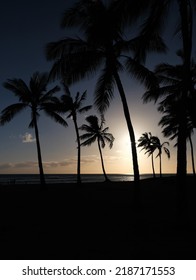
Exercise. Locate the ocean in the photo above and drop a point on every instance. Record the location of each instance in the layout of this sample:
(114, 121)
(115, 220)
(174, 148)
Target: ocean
(66, 178)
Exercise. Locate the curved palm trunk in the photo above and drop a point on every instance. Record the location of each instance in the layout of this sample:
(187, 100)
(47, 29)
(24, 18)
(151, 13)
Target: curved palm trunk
(192, 154)
(130, 128)
(102, 164)
(153, 170)
(79, 149)
(41, 171)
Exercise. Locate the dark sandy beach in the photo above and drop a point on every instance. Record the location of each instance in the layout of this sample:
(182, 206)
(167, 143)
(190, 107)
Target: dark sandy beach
(97, 221)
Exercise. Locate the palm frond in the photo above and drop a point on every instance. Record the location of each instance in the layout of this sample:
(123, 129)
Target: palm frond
(38, 83)
(82, 97)
(157, 93)
(104, 91)
(77, 15)
(145, 44)
(49, 95)
(90, 139)
(101, 139)
(129, 11)
(66, 88)
(56, 117)
(156, 19)
(10, 112)
(104, 131)
(167, 152)
(87, 128)
(109, 138)
(19, 88)
(67, 102)
(57, 70)
(74, 59)
(142, 74)
(85, 109)
(93, 122)
(170, 71)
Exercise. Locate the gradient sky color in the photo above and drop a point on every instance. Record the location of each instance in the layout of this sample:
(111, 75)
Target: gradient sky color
(26, 27)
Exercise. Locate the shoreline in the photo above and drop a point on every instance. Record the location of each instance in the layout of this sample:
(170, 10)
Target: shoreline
(69, 178)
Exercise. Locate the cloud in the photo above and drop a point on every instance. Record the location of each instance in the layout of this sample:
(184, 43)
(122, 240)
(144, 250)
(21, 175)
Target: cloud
(25, 164)
(27, 138)
(89, 159)
(6, 166)
(68, 164)
(34, 164)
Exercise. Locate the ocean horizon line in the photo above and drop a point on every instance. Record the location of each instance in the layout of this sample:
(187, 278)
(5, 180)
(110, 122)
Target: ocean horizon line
(47, 174)
(71, 178)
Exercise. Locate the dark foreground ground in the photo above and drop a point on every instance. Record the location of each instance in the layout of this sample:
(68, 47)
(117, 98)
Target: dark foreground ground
(97, 221)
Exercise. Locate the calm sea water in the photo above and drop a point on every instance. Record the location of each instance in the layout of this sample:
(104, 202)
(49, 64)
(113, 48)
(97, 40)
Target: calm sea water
(65, 178)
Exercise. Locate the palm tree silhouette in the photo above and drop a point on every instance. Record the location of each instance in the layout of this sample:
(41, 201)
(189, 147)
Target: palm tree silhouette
(154, 23)
(96, 132)
(145, 141)
(152, 143)
(36, 97)
(170, 125)
(104, 45)
(160, 146)
(171, 91)
(74, 106)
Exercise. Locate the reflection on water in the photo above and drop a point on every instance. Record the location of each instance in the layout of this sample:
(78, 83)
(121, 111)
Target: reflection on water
(66, 178)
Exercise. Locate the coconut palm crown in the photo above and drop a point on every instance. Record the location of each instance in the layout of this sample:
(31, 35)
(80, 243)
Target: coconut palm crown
(35, 97)
(95, 131)
(75, 106)
(146, 143)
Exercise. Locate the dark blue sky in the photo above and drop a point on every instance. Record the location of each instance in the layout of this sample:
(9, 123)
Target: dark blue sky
(26, 27)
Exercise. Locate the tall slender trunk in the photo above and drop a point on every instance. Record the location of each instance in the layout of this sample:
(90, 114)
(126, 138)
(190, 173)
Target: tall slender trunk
(130, 127)
(79, 149)
(41, 171)
(192, 154)
(153, 170)
(102, 164)
(186, 29)
(160, 165)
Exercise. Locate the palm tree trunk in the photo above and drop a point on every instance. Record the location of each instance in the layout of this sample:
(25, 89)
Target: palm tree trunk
(186, 29)
(160, 165)
(153, 170)
(130, 127)
(102, 164)
(192, 154)
(41, 171)
(79, 150)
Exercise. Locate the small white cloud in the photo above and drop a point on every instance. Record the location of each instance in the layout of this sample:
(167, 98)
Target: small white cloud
(27, 138)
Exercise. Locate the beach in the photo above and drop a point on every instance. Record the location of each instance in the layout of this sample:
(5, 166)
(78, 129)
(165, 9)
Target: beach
(103, 220)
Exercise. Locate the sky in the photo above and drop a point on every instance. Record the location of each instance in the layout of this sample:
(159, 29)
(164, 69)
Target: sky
(26, 27)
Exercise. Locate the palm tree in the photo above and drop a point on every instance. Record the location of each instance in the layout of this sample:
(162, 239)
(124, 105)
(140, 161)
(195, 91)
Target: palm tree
(96, 132)
(74, 106)
(145, 141)
(171, 91)
(170, 125)
(154, 24)
(103, 45)
(36, 97)
(160, 146)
